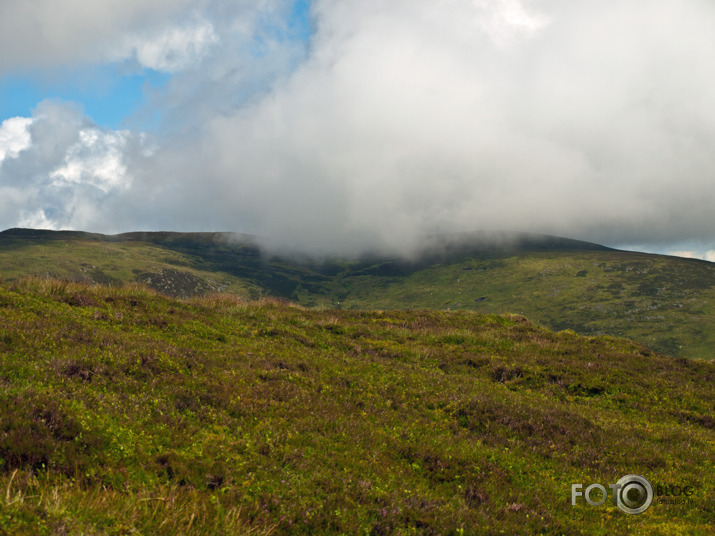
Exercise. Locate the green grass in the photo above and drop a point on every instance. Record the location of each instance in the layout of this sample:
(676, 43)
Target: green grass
(117, 263)
(128, 412)
(666, 303)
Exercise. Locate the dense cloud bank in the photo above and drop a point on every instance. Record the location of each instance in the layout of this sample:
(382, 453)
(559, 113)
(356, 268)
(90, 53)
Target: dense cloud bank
(586, 119)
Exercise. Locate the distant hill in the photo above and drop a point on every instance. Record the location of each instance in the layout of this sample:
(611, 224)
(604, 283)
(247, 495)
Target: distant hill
(123, 411)
(667, 303)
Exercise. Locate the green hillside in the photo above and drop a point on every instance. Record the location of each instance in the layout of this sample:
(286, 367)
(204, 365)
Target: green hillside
(124, 411)
(667, 303)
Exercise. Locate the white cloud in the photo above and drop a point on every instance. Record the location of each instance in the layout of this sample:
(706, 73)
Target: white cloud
(693, 254)
(172, 48)
(416, 116)
(686, 254)
(45, 33)
(508, 20)
(36, 220)
(96, 159)
(166, 35)
(399, 118)
(14, 137)
(68, 173)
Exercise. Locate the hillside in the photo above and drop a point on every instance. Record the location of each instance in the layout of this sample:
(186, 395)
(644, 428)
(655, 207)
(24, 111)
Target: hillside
(128, 412)
(667, 303)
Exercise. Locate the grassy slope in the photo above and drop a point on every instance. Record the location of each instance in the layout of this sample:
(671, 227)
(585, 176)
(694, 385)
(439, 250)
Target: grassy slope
(97, 259)
(127, 412)
(664, 302)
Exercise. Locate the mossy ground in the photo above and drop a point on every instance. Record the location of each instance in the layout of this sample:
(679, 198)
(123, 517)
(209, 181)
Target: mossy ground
(128, 412)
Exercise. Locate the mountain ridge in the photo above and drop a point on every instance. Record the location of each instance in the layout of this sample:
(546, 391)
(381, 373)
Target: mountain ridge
(665, 302)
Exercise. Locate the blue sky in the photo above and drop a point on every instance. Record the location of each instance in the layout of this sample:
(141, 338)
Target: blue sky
(300, 20)
(107, 93)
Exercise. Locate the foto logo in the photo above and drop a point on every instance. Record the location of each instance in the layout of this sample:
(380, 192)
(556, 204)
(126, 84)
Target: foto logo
(633, 494)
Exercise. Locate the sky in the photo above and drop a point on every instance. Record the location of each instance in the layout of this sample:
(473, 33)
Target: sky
(338, 126)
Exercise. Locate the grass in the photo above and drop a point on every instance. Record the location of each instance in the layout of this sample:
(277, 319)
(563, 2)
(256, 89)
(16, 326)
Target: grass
(117, 263)
(125, 411)
(666, 303)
